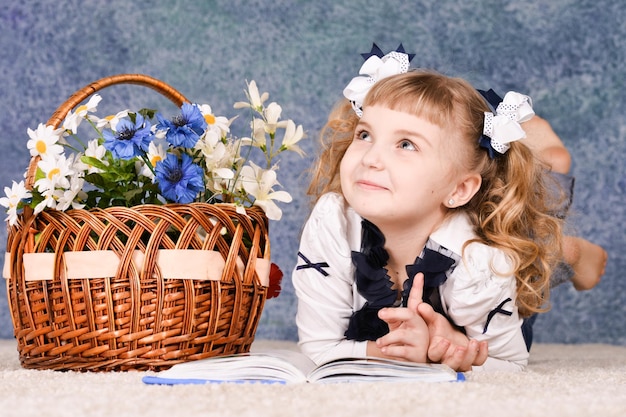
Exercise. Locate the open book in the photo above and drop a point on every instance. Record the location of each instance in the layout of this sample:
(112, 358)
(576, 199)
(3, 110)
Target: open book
(286, 366)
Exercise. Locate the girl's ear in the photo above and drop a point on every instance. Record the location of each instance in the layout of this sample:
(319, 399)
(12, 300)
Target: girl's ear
(465, 189)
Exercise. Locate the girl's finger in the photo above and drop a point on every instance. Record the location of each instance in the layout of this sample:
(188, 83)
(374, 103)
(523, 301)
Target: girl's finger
(397, 314)
(417, 290)
(399, 345)
(470, 356)
(483, 353)
(427, 312)
(437, 351)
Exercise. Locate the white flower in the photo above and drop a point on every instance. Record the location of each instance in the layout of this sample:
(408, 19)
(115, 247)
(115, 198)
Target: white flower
(258, 183)
(90, 107)
(49, 201)
(158, 133)
(44, 141)
(14, 196)
(219, 161)
(73, 119)
(67, 198)
(217, 124)
(255, 100)
(272, 115)
(293, 135)
(258, 133)
(56, 171)
(77, 167)
(155, 154)
(96, 151)
(110, 121)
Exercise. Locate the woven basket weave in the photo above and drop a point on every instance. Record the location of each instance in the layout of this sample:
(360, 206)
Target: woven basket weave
(138, 317)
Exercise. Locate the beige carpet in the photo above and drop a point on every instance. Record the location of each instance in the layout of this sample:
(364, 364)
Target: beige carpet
(562, 380)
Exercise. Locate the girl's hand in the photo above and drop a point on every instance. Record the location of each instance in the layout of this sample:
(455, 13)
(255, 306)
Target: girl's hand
(448, 345)
(408, 336)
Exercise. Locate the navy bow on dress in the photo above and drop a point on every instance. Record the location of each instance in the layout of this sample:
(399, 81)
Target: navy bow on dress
(374, 284)
(434, 266)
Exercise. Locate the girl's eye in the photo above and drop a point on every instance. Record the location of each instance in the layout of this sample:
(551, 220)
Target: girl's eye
(363, 135)
(408, 145)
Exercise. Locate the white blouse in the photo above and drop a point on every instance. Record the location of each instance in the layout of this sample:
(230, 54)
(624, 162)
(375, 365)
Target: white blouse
(324, 281)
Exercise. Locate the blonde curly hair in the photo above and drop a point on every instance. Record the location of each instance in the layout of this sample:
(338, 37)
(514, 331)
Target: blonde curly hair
(512, 210)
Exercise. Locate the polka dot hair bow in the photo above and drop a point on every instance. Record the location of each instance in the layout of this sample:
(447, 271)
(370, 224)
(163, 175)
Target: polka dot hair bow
(503, 127)
(376, 67)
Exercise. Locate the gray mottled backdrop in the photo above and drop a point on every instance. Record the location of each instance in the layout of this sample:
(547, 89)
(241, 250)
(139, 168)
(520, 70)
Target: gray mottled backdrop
(569, 55)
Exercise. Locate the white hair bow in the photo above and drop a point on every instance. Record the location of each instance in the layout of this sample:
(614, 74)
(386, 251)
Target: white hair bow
(374, 69)
(504, 127)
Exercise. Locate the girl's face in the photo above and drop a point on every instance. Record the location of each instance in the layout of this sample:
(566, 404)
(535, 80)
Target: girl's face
(398, 172)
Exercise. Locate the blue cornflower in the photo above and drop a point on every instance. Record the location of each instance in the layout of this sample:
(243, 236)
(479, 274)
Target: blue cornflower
(130, 140)
(185, 129)
(180, 180)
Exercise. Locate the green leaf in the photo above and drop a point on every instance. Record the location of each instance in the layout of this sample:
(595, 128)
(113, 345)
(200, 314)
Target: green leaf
(118, 176)
(94, 162)
(147, 113)
(39, 174)
(133, 193)
(95, 179)
(37, 198)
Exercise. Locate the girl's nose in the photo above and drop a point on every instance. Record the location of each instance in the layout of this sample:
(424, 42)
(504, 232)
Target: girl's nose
(373, 157)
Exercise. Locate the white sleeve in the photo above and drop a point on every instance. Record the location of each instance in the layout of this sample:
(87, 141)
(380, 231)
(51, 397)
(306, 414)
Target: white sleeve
(323, 280)
(484, 304)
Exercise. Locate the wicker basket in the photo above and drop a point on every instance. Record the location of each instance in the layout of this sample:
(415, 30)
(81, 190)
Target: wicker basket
(115, 289)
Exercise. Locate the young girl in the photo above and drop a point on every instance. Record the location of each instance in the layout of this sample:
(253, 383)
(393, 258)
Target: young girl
(419, 209)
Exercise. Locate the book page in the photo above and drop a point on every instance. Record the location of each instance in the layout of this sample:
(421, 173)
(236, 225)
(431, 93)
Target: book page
(378, 370)
(276, 365)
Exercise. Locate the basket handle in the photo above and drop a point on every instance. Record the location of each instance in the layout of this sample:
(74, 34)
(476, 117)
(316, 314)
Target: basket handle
(139, 79)
(75, 99)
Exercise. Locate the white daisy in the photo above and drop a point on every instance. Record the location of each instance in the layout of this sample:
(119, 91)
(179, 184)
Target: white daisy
(14, 196)
(44, 141)
(73, 119)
